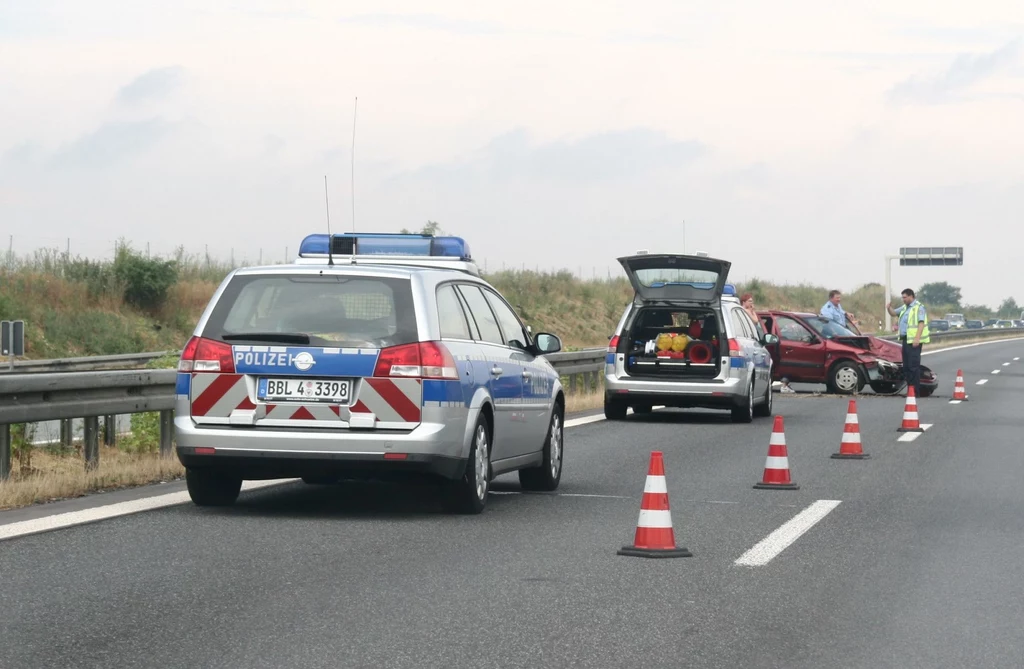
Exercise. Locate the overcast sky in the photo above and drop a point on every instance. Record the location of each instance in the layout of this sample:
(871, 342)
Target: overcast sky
(801, 140)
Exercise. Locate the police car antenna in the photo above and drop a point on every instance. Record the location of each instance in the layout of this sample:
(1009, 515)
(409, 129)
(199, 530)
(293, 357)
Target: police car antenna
(355, 108)
(330, 239)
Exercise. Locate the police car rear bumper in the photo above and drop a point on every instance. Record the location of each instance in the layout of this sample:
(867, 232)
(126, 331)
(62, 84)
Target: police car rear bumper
(431, 448)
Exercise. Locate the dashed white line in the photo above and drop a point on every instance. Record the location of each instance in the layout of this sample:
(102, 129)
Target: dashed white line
(911, 436)
(1006, 364)
(996, 371)
(955, 401)
(776, 542)
(982, 382)
(1016, 359)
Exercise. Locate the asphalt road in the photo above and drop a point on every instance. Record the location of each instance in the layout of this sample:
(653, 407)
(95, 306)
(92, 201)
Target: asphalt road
(918, 565)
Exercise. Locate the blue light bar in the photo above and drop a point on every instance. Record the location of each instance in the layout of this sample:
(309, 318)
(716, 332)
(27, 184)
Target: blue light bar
(376, 243)
(728, 289)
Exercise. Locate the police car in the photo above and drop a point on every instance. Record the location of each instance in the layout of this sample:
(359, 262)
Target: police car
(371, 356)
(686, 342)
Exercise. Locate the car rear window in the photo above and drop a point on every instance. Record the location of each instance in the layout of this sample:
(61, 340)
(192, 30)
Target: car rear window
(334, 311)
(657, 277)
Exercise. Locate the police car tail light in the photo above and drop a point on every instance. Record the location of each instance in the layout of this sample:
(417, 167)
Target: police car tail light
(734, 349)
(437, 361)
(206, 355)
(426, 360)
(613, 344)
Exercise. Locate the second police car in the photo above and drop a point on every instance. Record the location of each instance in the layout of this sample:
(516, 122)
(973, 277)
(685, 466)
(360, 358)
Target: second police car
(685, 341)
(372, 356)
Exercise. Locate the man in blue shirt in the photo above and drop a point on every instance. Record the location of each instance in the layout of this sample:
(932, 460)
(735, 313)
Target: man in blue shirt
(913, 333)
(833, 311)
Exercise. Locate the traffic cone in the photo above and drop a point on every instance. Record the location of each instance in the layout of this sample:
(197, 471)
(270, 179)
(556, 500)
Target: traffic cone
(776, 466)
(654, 535)
(959, 392)
(850, 448)
(910, 419)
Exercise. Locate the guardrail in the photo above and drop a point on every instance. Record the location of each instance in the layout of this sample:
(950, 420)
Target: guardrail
(63, 396)
(84, 364)
(28, 398)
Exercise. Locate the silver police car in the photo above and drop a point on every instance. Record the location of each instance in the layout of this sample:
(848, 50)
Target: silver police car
(372, 356)
(685, 341)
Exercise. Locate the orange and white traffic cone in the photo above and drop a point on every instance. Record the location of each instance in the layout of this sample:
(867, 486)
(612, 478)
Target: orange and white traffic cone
(959, 392)
(776, 466)
(850, 447)
(911, 423)
(654, 535)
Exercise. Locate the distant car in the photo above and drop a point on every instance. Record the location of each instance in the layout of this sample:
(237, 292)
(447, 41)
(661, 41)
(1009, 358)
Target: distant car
(939, 325)
(813, 349)
(686, 342)
(991, 323)
(956, 321)
(371, 356)
(1004, 324)
(974, 325)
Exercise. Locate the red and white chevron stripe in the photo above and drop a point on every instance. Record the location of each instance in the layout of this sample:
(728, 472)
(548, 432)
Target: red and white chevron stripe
(216, 396)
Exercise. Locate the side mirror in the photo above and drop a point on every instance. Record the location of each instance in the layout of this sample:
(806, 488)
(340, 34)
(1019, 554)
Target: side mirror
(770, 340)
(548, 343)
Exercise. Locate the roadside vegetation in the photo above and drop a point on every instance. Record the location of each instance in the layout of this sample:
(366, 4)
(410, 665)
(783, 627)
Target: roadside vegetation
(76, 306)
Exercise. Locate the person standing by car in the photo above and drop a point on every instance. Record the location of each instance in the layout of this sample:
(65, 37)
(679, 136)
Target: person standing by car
(834, 311)
(913, 333)
(747, 302)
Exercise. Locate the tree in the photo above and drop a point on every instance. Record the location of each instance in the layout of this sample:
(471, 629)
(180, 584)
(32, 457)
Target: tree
(1009, 308)
(940, 293)
(429, 228)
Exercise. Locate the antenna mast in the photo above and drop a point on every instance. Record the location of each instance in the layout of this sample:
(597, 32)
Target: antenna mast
(330, 238)
(354, 110)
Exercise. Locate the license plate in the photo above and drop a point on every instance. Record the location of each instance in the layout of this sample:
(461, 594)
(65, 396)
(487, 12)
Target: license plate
(335, 391)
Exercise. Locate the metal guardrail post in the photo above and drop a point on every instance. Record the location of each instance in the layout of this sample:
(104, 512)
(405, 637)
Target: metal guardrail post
(166, 432)
(5, 452)
(67, 432)
(110, 430)
(91, 446)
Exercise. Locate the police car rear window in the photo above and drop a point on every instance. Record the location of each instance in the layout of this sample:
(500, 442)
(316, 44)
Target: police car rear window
(332, 311)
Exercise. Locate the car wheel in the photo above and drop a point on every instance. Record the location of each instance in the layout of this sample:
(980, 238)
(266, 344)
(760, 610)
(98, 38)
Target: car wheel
(844, 378)
(927, 392)
(547, 476)
(642, 409)
(765, 408)
(469, 493)
(614, 409)
(212, 488)
(745, 412)
(885, 388)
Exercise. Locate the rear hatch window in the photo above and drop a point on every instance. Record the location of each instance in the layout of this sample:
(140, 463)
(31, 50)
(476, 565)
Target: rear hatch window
(319, 311)
(676, 277)
(308, 351)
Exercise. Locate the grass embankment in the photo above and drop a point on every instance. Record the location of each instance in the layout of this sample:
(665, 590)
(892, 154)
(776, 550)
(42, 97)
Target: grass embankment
(80, 307)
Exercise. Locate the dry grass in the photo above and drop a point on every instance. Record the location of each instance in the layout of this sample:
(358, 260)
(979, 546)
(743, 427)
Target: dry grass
(54, 477)
(584, 402)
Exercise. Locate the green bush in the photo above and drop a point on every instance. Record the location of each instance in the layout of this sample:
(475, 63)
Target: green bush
(145, 280)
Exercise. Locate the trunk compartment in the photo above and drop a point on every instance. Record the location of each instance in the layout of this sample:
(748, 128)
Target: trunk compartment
(673, 342)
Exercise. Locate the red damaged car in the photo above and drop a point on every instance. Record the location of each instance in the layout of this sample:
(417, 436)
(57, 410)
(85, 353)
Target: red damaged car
(813, 349)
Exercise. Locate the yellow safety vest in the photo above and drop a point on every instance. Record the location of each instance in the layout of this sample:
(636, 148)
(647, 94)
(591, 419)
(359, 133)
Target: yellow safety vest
(912, 323)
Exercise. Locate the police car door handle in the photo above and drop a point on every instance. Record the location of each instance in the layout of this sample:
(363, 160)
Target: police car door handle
(527, 375)
(497, 371)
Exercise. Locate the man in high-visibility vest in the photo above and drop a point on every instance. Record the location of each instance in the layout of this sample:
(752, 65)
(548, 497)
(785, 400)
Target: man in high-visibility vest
(913, 333)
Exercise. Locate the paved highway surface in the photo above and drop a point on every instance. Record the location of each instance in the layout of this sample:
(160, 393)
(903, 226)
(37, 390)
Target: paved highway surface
(914, 561)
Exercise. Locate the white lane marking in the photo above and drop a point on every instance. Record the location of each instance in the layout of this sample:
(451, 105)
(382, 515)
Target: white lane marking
(911, 436)
(1006, 364)
(586, 420)
(556, 494)
(776, 542)
(996, 371)
(72, 518)
(955, 401)
(982, 382)
(980, 343)
(1016, 359)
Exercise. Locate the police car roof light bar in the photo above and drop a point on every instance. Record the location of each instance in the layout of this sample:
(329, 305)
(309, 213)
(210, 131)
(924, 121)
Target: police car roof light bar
(369, 244)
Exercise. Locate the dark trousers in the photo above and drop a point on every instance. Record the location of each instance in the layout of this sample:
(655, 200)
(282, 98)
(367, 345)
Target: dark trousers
(912, 366)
